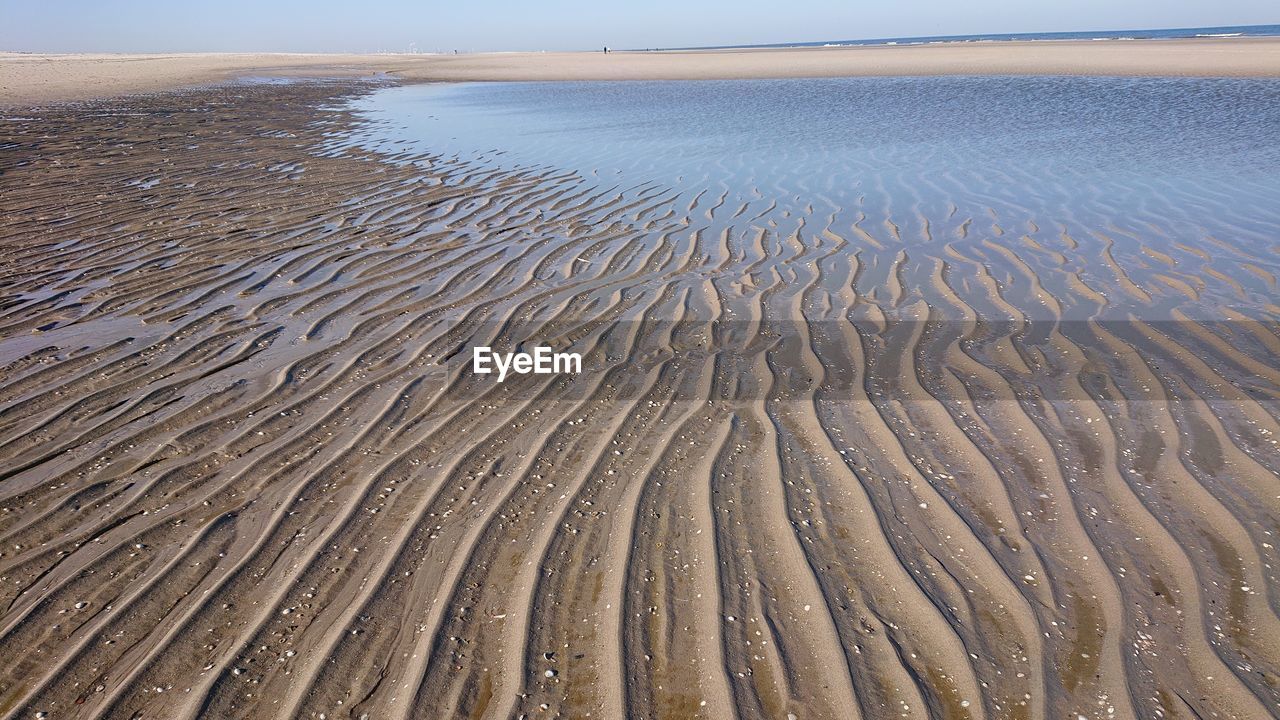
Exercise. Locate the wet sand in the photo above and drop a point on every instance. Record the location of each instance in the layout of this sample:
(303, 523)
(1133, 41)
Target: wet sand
(243, 472)
(32, 78)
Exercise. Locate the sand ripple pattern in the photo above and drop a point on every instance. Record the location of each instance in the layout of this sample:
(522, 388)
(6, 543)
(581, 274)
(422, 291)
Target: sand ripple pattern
(924, 464)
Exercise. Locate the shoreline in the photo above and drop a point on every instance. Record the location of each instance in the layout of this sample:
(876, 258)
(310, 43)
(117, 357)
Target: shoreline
(40, 79)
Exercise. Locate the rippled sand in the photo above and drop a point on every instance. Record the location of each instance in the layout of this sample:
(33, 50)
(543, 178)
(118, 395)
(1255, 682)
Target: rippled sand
(244, 471)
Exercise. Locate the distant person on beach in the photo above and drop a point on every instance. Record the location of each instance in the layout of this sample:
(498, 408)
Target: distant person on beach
(606, 49)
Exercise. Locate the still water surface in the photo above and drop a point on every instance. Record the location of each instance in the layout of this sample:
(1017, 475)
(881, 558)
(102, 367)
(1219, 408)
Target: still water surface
(1188, 168)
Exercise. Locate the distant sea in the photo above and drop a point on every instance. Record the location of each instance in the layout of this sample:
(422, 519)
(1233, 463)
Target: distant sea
(1164, 34)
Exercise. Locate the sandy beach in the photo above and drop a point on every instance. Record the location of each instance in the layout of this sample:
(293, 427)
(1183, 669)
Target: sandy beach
(925, 462)
(33, 79)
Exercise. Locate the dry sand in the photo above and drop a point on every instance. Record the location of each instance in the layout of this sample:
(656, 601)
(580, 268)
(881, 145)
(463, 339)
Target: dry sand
(244, 474)
(27, 79)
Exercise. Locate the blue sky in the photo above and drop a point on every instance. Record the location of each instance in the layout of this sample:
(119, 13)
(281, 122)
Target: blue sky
(470, 25)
